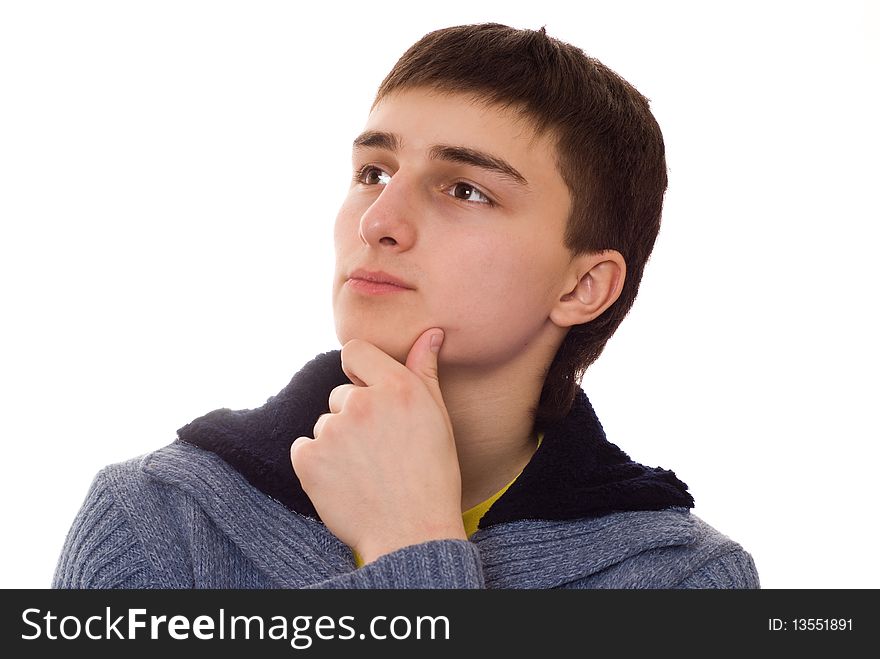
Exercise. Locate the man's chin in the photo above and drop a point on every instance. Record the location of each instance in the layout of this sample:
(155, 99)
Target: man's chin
(396, 346)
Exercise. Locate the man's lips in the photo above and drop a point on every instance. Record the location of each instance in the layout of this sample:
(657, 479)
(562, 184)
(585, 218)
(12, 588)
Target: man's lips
(378, 277)
(375, 282)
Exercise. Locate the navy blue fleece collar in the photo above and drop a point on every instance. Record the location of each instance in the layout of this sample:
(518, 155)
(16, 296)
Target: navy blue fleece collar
(576, 473)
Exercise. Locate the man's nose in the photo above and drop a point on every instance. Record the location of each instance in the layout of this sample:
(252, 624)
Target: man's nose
(388, 222)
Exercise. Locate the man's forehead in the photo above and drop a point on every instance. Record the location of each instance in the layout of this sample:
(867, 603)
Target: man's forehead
(433, 123)
(442, 109)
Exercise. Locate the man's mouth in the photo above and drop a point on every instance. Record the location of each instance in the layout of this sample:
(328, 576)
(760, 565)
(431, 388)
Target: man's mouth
(376, 282)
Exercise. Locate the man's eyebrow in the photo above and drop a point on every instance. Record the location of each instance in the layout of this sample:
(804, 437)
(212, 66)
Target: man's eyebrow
(479, 159)
(376, 139)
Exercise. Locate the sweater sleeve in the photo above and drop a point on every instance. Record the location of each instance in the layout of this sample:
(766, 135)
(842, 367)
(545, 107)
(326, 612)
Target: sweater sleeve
(735, 570)
(102, 550)
(441, 564)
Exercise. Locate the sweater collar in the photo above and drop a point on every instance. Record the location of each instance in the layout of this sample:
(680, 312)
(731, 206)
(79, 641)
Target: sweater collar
(575, 473)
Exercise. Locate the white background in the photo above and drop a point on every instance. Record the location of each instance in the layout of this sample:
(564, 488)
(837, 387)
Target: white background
(170, 173)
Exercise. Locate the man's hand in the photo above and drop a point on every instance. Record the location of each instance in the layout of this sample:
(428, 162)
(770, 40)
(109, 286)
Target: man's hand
(382, 470)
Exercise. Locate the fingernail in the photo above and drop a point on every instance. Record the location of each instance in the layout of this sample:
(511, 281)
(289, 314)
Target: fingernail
(436, 341)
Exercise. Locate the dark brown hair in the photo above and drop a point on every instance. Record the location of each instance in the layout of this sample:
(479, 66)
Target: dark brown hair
(609, 147)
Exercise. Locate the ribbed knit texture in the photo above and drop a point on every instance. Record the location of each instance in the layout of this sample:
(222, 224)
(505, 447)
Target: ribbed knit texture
(183, 518)
(102, 549)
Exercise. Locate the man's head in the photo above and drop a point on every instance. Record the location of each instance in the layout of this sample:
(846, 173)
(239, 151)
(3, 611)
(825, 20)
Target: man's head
(504, 253)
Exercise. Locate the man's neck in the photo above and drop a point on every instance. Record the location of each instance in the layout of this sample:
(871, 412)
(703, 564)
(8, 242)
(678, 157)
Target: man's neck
(492, 414)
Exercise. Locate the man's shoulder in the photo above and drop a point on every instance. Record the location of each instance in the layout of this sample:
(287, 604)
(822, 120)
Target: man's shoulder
(126, 533)
(156, 491)
(151, 474)
(669, 548)
(176, 472)
(676, 549)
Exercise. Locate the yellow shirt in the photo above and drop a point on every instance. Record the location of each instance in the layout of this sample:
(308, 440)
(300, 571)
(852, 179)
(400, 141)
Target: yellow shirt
(472, 516)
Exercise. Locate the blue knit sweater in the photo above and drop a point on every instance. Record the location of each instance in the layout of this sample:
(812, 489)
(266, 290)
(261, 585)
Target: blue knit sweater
(221, 508)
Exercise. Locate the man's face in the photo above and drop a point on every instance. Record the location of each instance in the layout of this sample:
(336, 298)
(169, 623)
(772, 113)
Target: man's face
(463, 203)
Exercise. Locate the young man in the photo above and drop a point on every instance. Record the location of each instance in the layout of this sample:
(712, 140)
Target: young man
(506, 194)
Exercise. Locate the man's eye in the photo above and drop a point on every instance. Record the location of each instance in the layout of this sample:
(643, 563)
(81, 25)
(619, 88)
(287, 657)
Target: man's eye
(469, 192)
(372, 175)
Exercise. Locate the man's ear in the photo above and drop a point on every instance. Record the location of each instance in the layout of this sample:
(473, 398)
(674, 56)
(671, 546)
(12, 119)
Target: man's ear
(593, 284)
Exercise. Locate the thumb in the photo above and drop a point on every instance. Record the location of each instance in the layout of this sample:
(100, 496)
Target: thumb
(422, 358)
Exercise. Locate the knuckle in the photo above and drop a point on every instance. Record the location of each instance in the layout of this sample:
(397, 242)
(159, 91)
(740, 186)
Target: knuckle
(358, 402)
(338, 395)
(320, 425)
(299, 457)
(399, 383)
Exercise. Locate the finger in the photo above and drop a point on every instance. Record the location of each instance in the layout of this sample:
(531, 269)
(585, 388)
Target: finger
(298, 457)
(297, 446)
(364, 362)
(316, 431)
(422, 359)
(338, 397)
